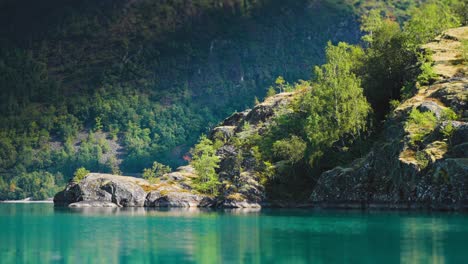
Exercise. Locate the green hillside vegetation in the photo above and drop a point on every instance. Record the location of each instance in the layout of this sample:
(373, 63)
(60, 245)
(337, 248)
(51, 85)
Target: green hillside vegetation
(112, 86)
(333, 118)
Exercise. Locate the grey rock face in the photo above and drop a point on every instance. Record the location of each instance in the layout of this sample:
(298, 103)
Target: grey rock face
(123, 191)
(454, 94)
(226, 132)
(460, 133)
(433, 107)
(235, 119)
(186, 169)
(125, 194)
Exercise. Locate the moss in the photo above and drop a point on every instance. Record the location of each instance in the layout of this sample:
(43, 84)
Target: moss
(419, 125)
(422, 159)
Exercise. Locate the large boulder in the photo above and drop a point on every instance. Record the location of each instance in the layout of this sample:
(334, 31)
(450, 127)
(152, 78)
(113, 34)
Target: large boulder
(121, 190)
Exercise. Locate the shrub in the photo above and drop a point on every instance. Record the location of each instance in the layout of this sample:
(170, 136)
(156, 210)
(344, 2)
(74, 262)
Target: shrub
(394, 104)
(271, 92)
(422, 159)
(427, 75)
(156, 171)
(205, 162)
(464, 51)
(291, 149)
(80, 174)
(447, 130)
(420, 124)
(449, 114)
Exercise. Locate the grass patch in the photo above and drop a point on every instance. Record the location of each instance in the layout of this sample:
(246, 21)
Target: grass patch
(419, 125)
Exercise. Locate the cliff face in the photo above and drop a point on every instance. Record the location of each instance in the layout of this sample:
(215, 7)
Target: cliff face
(421, 162)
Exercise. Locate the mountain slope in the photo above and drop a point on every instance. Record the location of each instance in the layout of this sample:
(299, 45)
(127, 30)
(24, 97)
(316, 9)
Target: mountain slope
(422, 158)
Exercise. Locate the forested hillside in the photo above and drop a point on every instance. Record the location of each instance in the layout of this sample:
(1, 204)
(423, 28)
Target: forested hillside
(112, 86)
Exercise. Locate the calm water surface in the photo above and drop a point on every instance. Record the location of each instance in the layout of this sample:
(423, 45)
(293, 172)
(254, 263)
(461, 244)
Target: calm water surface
(38, 233)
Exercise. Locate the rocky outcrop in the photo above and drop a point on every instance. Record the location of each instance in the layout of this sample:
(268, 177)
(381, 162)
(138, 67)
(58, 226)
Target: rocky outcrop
(400, 174)
(105, 190)
(120, 190)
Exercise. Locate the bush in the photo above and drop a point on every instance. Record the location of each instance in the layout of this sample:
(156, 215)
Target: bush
(420, 124)
(80, 174)
(449, 114)
(422, 159)
(156, 171)
(205, 163)
(291, 149)
(447, 130)
(427, 75)
(464, 51)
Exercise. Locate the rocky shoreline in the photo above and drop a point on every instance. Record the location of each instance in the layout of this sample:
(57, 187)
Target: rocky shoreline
(106, 190)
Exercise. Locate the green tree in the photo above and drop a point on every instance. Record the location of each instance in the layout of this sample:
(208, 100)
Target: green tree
(370, 23)
(205, 163)
(98, 124)
(156, 171)
(291, 149)
(430, 20)
(80, 174)
(387, 65)
(335, 105)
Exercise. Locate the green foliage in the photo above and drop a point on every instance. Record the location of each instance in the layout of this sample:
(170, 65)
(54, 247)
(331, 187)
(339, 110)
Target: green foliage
(156, 171)
(420, 124)
(422, 158)
(282, 85)
(98, 124)
(37, 185)
(256, 101)
(291, 149)
(371, 23)
(448, 114)
(427, 74)
(205, 162)
(430, 20)
(271, 92)
(464, 51)
(335, 106)
(80, 174)
(394, 104)
(387, 65)
(448, 130)
(139, 85)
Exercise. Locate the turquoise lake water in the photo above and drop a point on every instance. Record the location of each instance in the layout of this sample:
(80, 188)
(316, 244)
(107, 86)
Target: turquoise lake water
(38, 233)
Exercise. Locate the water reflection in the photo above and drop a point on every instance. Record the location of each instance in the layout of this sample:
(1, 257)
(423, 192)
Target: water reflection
(145, 211)
(43, 234)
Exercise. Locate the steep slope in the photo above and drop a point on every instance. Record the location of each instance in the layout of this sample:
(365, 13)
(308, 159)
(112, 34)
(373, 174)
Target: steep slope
(422, 159)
